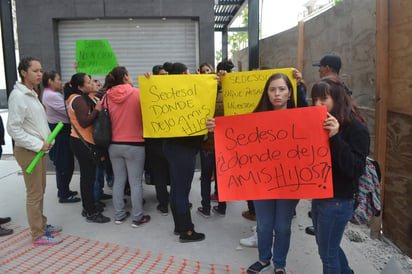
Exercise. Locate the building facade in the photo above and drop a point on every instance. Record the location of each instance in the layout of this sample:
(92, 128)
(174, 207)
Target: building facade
(141, 33)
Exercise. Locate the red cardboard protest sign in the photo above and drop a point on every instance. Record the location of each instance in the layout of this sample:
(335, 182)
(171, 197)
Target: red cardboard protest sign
(281, 154)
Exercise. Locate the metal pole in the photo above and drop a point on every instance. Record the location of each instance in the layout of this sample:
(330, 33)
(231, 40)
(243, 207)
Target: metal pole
(9, 55)
(253, 34)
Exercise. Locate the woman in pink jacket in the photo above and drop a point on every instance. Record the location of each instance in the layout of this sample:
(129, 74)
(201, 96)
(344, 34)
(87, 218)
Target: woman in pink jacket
(127, 152)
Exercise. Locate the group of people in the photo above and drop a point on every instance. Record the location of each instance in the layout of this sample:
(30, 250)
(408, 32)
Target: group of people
(349, 145)
(171, 161)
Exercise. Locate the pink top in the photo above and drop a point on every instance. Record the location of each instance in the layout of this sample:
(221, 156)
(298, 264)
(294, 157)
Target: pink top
(125, 113)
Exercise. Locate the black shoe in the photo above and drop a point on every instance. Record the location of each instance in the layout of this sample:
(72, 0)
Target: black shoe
(220, 212)
(99, 209)
(105, 196)
(145, 219)
(98, 218)
(5, 220)
(99, 204)
(310, 230)
(191, 236)
(164, 211)
(121, 220)
(257, 267)
(73, 193)
(5, 231)
(70, 199)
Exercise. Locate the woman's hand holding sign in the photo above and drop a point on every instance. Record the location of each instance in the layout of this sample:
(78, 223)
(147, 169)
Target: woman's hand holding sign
(210, 124)
(331, 124)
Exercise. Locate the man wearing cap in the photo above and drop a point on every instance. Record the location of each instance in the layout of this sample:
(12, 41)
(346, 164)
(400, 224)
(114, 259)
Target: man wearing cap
(329, 66)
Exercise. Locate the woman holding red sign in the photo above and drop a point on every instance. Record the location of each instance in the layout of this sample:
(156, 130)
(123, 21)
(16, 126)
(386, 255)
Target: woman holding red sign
(274, 215)
(349, 145)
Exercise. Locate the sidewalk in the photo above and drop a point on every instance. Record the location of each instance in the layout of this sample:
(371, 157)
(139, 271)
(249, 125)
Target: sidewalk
(220, 248)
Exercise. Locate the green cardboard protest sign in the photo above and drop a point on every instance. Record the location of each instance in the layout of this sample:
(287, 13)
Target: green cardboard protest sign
(95, 57)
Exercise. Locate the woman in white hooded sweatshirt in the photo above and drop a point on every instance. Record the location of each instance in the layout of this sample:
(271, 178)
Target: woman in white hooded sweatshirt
(27, 126)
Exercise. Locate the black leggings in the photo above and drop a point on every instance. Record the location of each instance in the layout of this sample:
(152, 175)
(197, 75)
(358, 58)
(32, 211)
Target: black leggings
(87, 174)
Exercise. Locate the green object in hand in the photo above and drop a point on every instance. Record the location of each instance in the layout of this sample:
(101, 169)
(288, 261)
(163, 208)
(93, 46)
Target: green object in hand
(40, 154)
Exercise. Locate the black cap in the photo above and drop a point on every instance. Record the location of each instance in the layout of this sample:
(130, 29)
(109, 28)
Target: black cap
(331, 60)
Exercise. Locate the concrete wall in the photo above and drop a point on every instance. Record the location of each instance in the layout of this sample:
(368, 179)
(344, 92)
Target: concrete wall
(37, 32)
(348, 29)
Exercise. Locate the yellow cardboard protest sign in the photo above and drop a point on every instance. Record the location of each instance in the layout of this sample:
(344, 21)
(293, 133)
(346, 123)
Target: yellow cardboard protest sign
(177, 105)
(243, 90)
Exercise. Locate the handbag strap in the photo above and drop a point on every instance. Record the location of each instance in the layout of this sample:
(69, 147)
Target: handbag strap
(105, 101)
(75, 129)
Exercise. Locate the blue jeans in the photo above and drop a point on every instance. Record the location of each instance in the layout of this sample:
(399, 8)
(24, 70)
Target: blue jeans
(329, 217)
(274, 215)
(63, 159)
(102, 167)
(181, 160)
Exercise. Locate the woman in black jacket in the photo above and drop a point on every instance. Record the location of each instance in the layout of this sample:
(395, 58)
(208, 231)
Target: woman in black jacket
(349, 146)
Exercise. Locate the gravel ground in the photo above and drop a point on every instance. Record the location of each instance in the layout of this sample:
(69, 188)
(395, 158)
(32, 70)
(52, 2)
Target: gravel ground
(378, 252)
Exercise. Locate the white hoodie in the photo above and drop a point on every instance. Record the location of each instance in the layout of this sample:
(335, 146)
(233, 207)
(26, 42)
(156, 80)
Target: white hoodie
(27, 120)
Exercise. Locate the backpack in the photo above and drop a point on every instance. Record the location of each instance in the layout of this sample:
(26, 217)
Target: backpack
(368, 198)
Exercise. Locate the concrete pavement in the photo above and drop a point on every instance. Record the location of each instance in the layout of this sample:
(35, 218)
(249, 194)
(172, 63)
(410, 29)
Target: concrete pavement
(222, 233)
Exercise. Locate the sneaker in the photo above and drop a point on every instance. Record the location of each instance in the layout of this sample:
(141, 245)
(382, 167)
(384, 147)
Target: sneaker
(202, 212)
(219, 211)
(310, 230)
(70, 199)
(121, 220)
(53, 229)
(48, 239)
(5, 231)
(143, 220)
(164, 211)
(99, 209)
(73, 193)
(214, 197)
(5, 220)
(257, 267)
(97, 218)
(246, 214)
(191, 236)
(250, 241)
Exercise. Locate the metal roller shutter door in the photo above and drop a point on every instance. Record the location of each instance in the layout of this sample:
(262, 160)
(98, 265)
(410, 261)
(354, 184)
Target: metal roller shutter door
(138, 44)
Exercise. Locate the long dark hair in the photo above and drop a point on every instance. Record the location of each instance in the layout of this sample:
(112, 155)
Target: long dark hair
(344, 109)
(50, 74)
(264, 103)
(115, 77)
(72, 87)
